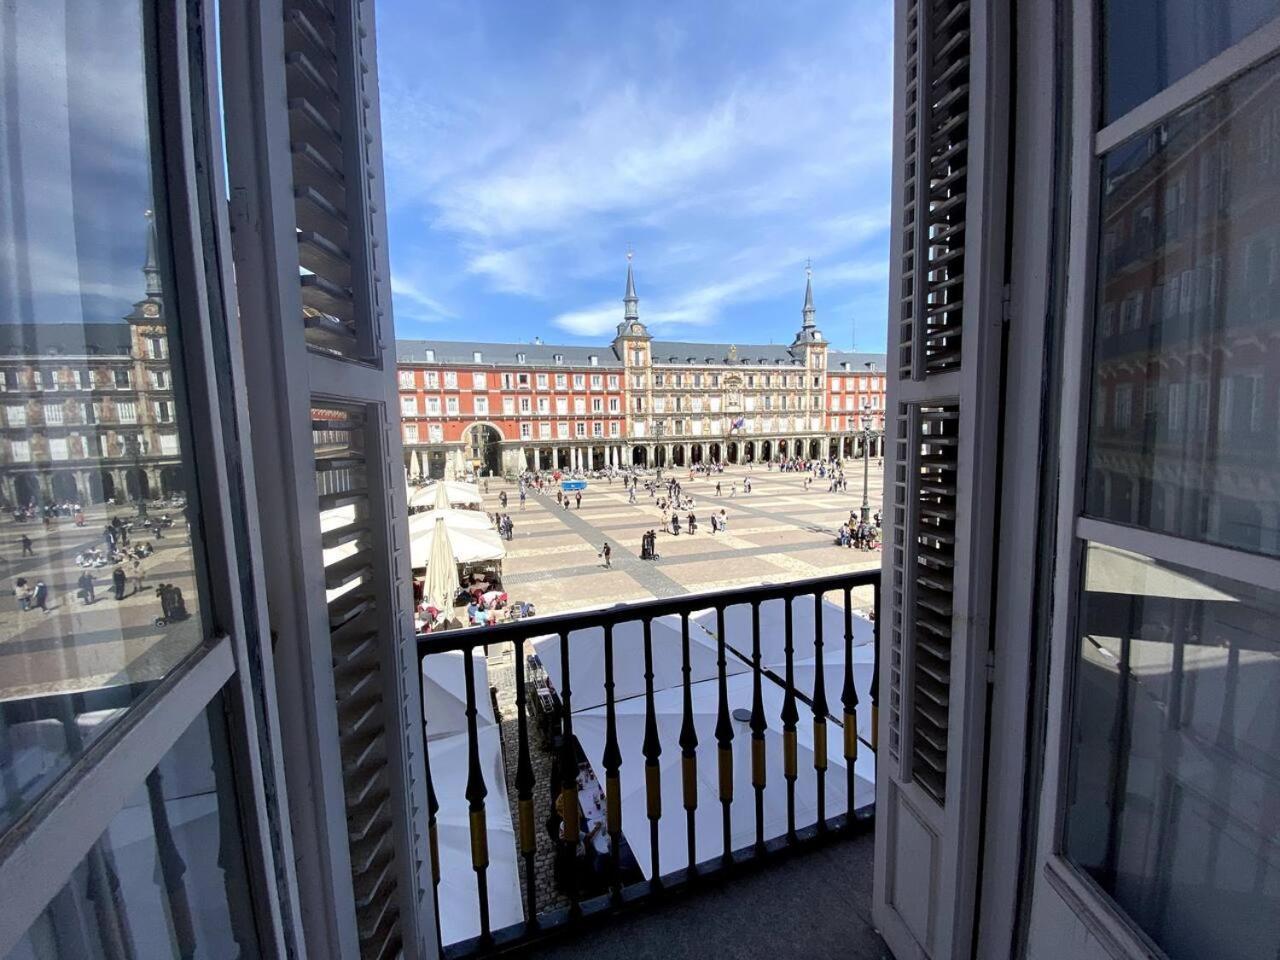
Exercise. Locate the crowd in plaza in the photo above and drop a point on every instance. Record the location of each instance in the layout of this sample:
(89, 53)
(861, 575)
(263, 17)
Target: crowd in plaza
(121, 548)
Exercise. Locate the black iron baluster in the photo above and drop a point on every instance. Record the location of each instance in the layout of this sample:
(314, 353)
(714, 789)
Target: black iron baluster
(875, 674)
(849, 697)
(475, 793)
(789, 717)
(724, 736)
(172, 868)
(612, 762)
(819, 715)
(652, 750)
(758, 726)
(568, 777)
(689, 748)
(524, 791)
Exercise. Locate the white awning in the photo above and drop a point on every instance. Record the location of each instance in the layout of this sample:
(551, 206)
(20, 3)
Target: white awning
(457, 493)
(466, 545)
(459, 907)
(586, 660)
(444, 693)
(590, 729)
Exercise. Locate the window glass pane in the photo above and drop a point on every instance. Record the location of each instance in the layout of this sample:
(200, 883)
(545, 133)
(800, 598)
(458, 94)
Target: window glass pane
(1148, 46)
(168, 877)
(99, 597)
(1174, 789)
(1186, 374)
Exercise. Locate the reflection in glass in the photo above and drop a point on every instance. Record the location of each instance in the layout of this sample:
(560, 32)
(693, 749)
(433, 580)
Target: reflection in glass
(1185, 419)
(1174, 790)
(99, 597)
(167, 878)
(1147, 46)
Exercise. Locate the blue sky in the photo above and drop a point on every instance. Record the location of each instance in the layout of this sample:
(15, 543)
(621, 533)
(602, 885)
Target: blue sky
(528, 144)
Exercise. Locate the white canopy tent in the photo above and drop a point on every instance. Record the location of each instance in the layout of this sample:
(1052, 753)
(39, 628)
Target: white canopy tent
(444, 693)
(586, 660)
(467, 546)
(589, 727)
(459, 905)
(458, 494)
(453, 519)
(737, 625)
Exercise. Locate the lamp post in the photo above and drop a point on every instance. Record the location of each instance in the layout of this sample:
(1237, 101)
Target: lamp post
(866, 463)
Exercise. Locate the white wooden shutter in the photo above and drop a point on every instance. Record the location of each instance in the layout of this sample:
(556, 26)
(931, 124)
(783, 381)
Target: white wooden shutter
(304, 151)
(944, 332)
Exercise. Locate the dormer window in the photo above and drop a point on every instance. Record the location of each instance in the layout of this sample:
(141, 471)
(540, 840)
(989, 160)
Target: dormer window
(431, 356)
(593, 360)
(559, 359)
(519, 358)
(476, 357)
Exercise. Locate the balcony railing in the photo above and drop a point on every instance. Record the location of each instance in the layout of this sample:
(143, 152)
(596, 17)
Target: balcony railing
(613, 660)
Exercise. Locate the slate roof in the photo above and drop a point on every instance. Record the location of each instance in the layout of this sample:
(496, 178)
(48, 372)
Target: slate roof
(663, 351)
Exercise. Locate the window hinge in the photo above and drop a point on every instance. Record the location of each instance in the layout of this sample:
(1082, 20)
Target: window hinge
(1006, 304)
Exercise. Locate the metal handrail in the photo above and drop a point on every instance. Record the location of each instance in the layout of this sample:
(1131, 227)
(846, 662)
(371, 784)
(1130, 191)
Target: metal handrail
(563, 625)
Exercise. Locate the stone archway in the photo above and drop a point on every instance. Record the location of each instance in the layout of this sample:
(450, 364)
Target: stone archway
(766, 450)
(171, 483)
(714, 453)
(677, 456)
(731, 453)
(848, 447)
(782, 449)
(660, 456)
(639, 457)
(749, 452)
(695, 455)
(137, 486)
(815, 449)
(483, 449)
(102, 486)
(63, 483)
(26, 488)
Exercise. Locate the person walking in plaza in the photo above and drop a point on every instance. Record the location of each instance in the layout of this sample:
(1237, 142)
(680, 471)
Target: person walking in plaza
(40, 598)
(85, 588)
(118, 582)
(523, 495)
(502, 499)
(606, 553)
(693, 524)
(22, 593)
(578, 500)
(135, 576)
(631, 497)
(717, 488)
(26, 547)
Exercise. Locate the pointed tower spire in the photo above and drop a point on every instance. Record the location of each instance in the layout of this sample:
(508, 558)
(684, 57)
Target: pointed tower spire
(631, 301)
(151, 269)
(809, 310)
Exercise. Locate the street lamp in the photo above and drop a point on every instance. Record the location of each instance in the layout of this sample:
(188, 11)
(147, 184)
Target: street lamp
(867, 421)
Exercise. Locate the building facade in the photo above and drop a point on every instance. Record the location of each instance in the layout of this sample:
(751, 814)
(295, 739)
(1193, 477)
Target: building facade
(506, 407)
(88, 409)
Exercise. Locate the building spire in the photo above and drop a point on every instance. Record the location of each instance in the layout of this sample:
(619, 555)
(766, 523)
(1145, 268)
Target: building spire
(809, 310)
(151, 269)
(631, 302)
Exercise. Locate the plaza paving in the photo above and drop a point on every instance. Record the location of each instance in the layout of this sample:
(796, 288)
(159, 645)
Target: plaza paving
(780, 531)
(78, 647)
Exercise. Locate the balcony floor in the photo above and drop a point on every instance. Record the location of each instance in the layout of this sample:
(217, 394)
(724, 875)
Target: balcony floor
(814, 905)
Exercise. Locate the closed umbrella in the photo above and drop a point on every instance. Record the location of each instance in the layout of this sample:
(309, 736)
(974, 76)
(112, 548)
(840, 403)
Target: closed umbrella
(442, 570)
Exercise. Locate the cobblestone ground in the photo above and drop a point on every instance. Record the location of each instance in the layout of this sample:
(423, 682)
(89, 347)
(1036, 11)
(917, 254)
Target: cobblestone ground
(502, 676)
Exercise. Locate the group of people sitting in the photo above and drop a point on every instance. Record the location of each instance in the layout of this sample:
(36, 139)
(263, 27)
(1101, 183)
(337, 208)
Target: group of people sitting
(858, 535)
(94, 557)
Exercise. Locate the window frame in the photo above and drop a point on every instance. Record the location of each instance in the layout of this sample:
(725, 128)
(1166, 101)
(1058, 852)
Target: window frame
(54, 834)
(1089, 142)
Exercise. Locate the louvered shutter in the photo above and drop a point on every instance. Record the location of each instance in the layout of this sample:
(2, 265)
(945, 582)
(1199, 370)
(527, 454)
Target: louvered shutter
(944, 332)
(309, 239)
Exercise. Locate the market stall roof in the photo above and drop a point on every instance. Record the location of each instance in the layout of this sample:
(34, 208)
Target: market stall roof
(455, 492)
